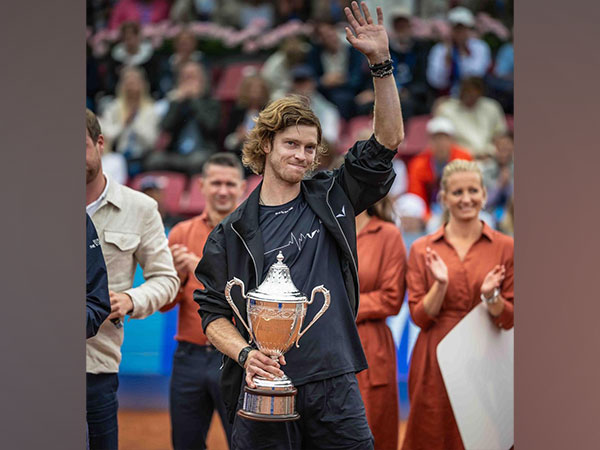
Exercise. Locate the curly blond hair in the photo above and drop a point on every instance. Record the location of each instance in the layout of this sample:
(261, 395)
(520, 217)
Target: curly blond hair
(292, 110)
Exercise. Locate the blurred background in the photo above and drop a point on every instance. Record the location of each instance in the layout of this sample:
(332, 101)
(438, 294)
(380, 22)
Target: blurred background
(173, 81)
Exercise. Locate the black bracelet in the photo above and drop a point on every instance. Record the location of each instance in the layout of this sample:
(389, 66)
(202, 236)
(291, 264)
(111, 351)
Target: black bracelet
(381, 65)
(383, 69)
(382, 73)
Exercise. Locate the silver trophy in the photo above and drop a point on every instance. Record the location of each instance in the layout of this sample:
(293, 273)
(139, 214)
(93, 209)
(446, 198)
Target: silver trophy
(276, 311)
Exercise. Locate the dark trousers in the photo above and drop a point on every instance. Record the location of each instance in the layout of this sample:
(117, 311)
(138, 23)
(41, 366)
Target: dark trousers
(101, 407)
(332, 416)
(195, 395)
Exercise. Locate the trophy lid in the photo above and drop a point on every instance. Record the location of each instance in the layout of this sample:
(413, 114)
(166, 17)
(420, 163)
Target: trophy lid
(278, 285)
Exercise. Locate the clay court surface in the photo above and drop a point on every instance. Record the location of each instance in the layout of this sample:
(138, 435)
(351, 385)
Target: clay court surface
(151, 430)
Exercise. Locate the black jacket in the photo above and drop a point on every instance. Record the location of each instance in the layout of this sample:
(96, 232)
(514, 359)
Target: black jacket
(97, 301)
(235, 247)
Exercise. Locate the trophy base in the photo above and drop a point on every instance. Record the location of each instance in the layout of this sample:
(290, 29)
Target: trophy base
(271, 401)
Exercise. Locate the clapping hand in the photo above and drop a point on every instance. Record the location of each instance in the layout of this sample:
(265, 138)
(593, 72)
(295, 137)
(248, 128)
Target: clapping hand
(184, 260)
(436, 266)
(371, 39)
(493, 280)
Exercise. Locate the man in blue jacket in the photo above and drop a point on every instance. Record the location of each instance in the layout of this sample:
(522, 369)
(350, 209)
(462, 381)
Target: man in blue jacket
(311, 221)
(97, 300)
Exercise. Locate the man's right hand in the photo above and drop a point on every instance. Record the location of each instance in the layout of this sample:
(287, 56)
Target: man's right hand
(184, 260)
(260, 364)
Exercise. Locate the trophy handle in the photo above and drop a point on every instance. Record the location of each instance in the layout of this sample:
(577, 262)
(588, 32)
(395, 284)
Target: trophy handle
(228, 287)
(323, 290)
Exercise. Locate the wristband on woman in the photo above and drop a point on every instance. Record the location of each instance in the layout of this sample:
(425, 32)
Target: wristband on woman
(493, 299)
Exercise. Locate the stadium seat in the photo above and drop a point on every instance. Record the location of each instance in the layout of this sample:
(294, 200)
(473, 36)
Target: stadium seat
(231, 78)
(351, 131)
(173, 184)
(192, 201)
(415, 135)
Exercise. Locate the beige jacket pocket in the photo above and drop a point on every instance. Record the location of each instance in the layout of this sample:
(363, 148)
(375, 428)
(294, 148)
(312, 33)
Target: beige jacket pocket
(123, 241)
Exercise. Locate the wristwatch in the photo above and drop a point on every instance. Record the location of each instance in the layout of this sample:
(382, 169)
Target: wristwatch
(493, 299)
(244, 355)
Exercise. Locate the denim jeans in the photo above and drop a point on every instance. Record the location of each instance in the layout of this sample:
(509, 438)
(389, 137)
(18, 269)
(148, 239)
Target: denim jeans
(195, 395)
(102, 406)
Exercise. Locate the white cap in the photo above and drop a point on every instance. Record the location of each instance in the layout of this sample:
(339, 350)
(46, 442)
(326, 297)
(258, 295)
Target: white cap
(461, 16)
(440, 124)
(410, 205)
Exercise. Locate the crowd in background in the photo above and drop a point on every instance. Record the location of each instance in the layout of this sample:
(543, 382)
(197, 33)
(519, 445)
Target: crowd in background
(174, 81)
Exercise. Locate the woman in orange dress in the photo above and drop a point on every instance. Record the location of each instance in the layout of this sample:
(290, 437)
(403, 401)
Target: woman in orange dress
(381, 270)
(450, 272)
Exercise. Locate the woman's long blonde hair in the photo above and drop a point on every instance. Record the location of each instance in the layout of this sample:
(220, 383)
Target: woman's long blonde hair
(456, 166)
(145, 98)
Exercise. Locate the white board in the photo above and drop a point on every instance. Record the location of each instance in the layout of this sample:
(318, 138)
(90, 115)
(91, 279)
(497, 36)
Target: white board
(476, 359)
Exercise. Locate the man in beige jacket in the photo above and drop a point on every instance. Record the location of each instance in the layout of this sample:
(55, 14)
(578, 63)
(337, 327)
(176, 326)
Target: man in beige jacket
(130, 231)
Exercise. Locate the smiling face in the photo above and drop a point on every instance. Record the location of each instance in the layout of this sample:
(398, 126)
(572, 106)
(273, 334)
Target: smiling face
(464, 195)
(292, 153)
(222, 187)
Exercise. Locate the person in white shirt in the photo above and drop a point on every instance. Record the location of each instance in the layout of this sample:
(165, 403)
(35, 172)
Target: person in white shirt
(477, 119)
(460, 56)
(130, 231)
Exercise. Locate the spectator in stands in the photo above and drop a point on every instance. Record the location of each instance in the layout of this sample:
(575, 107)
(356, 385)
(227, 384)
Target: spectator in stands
(450, 272)
(252, 98)
(277, 68)
(476, 119)
(337, 66)
(132, 50)
(410, 212)
(498, 172)
(189, 128)
(500, 82)
(286, 10)
(381, 270)
(194, 391)
(130, 232)
(460, 56)
(130, 122)
(305, 84)
(142, 12)
(333, 9)
(409, 55)
(425, 169)
(185, 46)
(257, 10)
(193, 10)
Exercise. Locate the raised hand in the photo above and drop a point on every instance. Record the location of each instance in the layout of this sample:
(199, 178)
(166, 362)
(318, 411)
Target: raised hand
(368, 38)
(492, 280)
(436, 266)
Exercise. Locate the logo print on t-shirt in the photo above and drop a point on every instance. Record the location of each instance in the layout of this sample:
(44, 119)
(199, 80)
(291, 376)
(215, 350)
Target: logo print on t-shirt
(297, 241)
